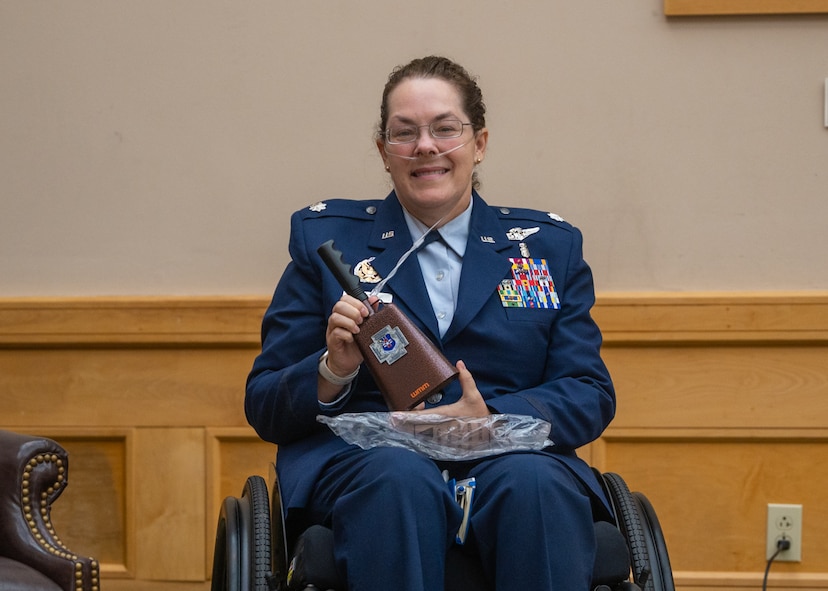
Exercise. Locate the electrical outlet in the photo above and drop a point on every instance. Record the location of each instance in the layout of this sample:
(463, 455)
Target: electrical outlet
(784, 522)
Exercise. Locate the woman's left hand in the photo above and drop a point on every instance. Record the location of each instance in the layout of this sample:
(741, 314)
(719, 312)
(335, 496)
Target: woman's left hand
(471, 403)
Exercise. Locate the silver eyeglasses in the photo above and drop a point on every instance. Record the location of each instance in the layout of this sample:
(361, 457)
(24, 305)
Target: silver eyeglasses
(443, 129)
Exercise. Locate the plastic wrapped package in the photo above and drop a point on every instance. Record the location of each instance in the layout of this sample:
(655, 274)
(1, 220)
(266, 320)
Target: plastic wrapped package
(440, 437)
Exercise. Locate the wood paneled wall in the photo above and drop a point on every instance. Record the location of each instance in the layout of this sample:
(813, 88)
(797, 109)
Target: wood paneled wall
(723, 408)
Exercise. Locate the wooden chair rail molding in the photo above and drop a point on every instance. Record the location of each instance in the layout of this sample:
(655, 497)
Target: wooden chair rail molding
(722, 409)
(186, 321)
(235, 321)
(737, 7)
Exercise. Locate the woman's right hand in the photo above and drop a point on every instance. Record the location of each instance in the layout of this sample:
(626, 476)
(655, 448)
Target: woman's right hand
(344, 356)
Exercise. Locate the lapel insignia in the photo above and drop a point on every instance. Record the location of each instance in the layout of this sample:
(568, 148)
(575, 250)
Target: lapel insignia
(318, 206)
(365, 272)
(487, 239)
(388, 234)
(520, 233)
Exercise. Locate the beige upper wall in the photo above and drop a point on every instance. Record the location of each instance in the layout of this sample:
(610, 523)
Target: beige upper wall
(158, 147)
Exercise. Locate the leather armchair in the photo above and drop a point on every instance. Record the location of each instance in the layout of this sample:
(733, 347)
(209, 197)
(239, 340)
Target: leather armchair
(33, 474)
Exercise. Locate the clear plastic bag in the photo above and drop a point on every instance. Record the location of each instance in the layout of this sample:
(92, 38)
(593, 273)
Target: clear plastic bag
(440, 437)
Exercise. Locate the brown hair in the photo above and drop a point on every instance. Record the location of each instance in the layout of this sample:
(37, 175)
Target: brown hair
(444, 68)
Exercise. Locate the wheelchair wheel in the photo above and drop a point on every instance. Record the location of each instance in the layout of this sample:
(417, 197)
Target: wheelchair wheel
(662, 572)
(278, 533)
(241, 558)
(640, 530)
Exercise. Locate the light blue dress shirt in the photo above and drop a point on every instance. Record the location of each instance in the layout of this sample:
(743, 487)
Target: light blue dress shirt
(441, 262)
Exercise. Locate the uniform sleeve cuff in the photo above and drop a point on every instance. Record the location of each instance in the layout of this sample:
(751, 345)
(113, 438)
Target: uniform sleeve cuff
(338, 403)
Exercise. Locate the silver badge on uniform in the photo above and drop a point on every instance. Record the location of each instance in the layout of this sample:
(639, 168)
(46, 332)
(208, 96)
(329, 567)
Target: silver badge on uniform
(318, 206)
(520, 234)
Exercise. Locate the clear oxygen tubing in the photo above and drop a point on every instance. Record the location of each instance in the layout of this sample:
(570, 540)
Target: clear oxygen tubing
(427, 157)
(417, 243)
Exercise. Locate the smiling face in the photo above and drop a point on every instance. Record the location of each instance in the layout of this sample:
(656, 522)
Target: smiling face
(432, 177)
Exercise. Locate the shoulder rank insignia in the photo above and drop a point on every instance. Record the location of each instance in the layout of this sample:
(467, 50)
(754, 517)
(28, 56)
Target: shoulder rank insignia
(556, 217)
(520, 233)
(365, 272)
(318, 206)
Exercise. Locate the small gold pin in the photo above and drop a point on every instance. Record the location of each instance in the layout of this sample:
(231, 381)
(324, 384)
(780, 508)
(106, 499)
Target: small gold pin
(366, 272)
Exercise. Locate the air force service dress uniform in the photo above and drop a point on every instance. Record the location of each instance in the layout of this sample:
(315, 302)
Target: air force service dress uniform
(523, 327)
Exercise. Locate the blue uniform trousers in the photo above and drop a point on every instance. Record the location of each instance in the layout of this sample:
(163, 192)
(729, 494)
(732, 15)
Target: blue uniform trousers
(394, 517)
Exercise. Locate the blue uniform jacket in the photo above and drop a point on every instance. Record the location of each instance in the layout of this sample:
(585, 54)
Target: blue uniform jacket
(539, 362)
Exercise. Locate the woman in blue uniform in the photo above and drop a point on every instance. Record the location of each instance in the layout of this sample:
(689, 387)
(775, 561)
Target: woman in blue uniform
(506, 296)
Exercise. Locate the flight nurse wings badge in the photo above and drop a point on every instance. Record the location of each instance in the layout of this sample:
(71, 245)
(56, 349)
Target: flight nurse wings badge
(520, 234)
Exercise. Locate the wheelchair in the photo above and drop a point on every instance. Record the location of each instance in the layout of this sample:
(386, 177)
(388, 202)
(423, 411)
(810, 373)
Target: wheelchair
(253, 553)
